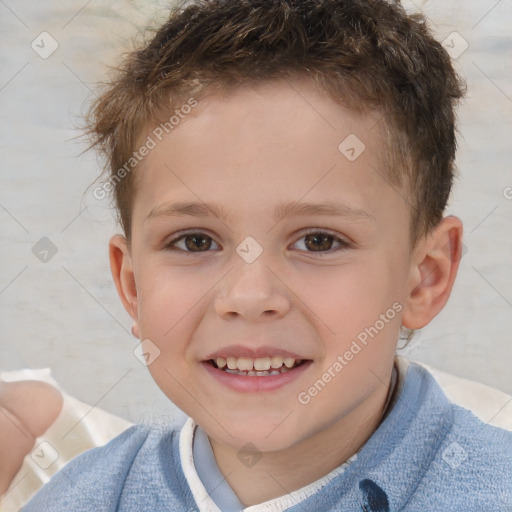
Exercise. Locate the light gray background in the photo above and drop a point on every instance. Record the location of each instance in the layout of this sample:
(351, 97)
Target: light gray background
(65, 313)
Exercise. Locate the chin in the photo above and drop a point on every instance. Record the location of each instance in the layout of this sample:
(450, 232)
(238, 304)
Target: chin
(265, 436)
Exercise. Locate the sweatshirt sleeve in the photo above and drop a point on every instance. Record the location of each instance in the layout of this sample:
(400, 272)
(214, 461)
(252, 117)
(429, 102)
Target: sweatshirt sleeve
(93, 481)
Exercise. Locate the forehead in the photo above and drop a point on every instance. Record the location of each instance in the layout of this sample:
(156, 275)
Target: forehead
(277, 141)
(263, 109)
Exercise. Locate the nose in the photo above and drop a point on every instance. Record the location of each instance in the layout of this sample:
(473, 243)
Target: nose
(253, 291)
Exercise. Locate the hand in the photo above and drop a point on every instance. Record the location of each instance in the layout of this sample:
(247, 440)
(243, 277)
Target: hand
(27, 409)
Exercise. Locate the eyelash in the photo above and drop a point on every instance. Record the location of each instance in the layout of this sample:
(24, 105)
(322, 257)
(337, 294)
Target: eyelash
(344, 244)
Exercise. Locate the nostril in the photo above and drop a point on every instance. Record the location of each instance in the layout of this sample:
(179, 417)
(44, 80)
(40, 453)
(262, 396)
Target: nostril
(374, 498)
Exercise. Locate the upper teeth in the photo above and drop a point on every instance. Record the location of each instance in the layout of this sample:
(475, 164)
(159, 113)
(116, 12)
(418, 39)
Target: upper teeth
(260, 363)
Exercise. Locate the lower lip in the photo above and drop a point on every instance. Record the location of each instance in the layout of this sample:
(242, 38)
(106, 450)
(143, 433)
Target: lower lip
(251, 384)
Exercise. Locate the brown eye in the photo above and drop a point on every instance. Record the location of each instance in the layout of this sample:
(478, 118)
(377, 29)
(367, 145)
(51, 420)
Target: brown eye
(203, 243)
(319, 241)
(191, 242)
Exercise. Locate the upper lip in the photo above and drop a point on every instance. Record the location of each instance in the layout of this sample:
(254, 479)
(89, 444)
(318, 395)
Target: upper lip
(252, 352)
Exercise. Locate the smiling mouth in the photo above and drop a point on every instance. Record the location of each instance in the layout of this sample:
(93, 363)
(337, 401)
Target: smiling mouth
(260, 367)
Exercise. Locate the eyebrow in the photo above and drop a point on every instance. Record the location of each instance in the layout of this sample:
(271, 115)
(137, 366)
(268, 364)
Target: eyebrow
(290, 209)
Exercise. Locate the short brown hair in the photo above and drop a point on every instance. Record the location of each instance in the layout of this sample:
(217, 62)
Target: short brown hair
(367, 54)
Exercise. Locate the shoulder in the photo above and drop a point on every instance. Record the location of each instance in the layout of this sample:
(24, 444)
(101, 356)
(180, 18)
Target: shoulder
(491, 405)
(94, 481)
(479, 455)
(471, 466)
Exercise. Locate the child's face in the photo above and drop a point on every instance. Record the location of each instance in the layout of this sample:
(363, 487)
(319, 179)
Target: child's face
(306, 297)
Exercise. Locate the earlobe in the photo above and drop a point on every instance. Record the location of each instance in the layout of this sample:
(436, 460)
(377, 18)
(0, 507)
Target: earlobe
(121, 266)
(433, 273)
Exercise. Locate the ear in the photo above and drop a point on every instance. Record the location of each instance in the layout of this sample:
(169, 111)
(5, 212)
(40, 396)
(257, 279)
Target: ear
(436, 260)
(121, 266)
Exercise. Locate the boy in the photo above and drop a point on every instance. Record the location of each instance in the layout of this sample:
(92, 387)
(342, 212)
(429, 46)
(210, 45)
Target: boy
(280, 170)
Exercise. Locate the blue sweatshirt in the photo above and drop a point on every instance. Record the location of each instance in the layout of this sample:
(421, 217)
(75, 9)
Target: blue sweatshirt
(427, 455)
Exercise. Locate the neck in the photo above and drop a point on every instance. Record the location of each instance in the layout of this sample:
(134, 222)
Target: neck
(281, 472)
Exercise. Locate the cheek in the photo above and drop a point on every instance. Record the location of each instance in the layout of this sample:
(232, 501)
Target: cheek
(166, 296)
(343, 300)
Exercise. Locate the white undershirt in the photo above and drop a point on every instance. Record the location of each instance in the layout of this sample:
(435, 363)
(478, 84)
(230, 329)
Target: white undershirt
(211, 490)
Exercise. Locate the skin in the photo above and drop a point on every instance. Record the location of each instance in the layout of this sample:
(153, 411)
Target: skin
(27, 409)
(249, 151)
